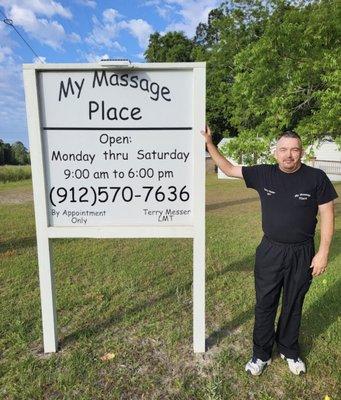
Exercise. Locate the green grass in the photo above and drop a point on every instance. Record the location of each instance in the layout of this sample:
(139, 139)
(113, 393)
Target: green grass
(12, 173)
(132, 298)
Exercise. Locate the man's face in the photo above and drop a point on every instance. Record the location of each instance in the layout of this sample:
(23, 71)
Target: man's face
(288, 154)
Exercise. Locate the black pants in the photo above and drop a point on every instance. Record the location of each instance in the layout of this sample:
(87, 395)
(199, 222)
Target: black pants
(277, 266)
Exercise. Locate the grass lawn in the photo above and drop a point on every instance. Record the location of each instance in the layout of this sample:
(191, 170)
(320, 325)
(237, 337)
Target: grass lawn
(131, 300)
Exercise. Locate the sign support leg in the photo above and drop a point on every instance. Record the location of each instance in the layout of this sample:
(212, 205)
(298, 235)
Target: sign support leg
(199, 292)
(47, 294)
(199, 84)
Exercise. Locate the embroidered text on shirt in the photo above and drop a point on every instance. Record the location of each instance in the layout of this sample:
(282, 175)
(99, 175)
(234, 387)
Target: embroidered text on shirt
(269, 192)
(302, 196)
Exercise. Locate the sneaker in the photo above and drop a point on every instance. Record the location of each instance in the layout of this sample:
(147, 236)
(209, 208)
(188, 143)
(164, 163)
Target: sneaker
(255, 366)
(296, 365)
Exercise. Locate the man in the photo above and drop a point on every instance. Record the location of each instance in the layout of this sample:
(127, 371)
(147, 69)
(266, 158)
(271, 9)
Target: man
(291, 193)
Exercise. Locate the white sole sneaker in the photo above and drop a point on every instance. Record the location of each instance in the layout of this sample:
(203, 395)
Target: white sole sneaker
(256, 368)
(296, 367)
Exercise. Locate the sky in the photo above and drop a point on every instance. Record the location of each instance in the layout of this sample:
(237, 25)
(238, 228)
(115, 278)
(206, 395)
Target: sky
(80, 31)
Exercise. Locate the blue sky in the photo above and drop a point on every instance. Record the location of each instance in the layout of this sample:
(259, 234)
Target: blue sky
(80, 31)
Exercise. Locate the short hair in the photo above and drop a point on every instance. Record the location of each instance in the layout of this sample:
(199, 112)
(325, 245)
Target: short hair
(290, 134)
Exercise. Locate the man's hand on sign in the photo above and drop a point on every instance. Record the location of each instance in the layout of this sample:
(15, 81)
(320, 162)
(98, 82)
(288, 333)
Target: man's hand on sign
(226, 167)
(207, 135)
(319, 263)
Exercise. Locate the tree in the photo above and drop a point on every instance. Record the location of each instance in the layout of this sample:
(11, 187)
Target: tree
(13, 154)
(172, 47)
(230, 29)
(289, 78)
(207, 35)
(8, 158)
(19, 153)
(2, 153)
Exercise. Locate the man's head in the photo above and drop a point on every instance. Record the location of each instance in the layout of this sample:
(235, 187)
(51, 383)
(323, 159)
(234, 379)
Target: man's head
(288, 151)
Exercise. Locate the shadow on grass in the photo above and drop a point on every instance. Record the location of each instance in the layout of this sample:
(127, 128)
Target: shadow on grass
(17, 244)
(320, 315)
(216, 206)
(245, 264)
(326, 309)
(226, 330)
(241, 265)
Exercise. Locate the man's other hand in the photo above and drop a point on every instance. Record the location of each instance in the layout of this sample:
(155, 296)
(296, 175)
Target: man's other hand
(319, 264)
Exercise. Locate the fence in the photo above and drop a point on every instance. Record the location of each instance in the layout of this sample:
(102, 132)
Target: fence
(328, 166)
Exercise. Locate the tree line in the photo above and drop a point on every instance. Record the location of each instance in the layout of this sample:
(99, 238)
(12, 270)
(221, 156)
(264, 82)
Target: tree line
(13, 154)
(271, 66)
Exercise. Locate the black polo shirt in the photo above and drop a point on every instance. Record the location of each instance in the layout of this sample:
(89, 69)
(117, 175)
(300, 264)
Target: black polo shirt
(289, 200)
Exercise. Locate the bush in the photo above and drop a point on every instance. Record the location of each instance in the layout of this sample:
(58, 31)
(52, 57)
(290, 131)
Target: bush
(11, 173)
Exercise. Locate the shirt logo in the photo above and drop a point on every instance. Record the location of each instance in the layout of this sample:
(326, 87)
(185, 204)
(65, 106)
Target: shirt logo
(302, 196)
(269, 192)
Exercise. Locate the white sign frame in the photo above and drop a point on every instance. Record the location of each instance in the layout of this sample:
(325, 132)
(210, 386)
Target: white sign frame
(45, 232)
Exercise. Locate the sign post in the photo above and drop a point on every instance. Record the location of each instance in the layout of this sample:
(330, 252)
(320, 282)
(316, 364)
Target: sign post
(117, 153)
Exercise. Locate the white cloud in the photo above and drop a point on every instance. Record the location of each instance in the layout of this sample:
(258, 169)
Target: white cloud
(5, 37)
(185, 15)
(110, 15)
(4, 52)
(12, 105)
(34, 17)
(6, 46)
(74, 37)
(87, 3)
(42, 7)
(93, 58)
(140, 29)
(37, 60)
(151, 2)
(162, 8)
(50, 33)
(165, 11)
(105, 33)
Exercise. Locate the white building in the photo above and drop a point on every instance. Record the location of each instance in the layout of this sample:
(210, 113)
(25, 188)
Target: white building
(327, 158)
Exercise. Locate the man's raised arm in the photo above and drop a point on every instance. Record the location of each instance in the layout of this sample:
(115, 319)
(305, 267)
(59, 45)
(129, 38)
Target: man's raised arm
(229, 169)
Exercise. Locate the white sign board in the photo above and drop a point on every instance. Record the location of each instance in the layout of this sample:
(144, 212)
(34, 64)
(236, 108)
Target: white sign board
(123, 152)
(117, 153)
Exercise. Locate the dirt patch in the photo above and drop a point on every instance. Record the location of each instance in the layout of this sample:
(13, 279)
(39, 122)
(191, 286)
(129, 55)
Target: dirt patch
(16, 196)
